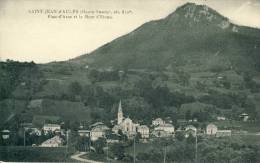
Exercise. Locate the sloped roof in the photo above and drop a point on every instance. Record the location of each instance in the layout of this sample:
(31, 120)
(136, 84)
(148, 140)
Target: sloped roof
(158, 119)
(97, 124)
(54, 140)
(51, 125)
(100, 128)
(166, 125)
(211, 125)
(190, 127)
(144, 127)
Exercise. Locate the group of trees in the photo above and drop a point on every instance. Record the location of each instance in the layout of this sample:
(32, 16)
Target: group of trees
(208, 150)
(230, 101)
(250, 83)
(27, 138)
(180, 149)
(13, 73)
(150, 96)
(98, 76)
(146, 98)
(228, 150)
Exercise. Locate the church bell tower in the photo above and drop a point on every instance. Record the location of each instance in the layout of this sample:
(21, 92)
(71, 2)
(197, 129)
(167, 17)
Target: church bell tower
(120, 114)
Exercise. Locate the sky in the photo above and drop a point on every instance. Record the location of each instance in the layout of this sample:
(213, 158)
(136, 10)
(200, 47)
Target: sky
(26, 35)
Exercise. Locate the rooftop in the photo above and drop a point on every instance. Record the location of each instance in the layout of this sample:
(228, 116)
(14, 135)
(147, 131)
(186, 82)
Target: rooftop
(51, 125)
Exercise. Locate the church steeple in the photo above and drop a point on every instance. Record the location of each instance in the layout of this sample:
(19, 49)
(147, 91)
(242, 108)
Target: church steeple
(120, 113)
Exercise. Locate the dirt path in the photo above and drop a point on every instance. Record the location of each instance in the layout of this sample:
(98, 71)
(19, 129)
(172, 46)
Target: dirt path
(78, 158)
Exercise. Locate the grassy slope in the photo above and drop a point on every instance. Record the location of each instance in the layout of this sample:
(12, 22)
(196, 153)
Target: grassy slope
(58, 83)
(33, 154)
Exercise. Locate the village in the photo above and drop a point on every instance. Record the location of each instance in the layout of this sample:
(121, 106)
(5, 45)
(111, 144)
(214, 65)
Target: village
(159, 128)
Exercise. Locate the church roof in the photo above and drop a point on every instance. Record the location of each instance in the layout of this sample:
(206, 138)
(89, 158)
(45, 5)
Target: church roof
(143, 127)
(117, 127)
(120, 107)
(128, 119)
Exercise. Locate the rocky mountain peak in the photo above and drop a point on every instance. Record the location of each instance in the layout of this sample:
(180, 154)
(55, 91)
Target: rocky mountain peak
(195, 14)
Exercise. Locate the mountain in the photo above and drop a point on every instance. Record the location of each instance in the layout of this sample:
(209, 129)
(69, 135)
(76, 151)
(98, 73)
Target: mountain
(194, 37)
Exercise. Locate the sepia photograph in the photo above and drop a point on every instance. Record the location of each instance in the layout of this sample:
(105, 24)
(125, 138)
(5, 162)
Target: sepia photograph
(130, 81)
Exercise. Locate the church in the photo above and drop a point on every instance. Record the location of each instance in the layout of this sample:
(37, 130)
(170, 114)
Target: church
(126, 125)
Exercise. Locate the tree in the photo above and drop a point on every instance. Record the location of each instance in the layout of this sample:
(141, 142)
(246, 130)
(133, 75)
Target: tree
(179, 136)
(99, 145)
(83, 143)
(122, 135)
(188, 115)
(75, 88)
(138, 136)
(118, 151)
(190, 139)
(143, 156)
(184, 77)
(74, 125)
(93, 75)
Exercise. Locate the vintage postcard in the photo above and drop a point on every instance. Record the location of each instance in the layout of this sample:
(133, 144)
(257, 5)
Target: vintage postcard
(120, 81)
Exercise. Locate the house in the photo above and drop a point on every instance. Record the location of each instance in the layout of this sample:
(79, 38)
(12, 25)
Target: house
(157, 122)
(126, 125)
(96, 124)
(81, 126)
(5, 134)
(116, 129)
(29, 127)
(35, 131)
(56, 141)
(244, 116)
(193, 120)
(98, 131)
(85, 133)
(51, 128)
(190, 127)
(168, 120)
(223, 133)
(168, 128)
(221, 118)
(129, 128)
(211, 129)
(160, 134)
(190, 130)
(144, 131)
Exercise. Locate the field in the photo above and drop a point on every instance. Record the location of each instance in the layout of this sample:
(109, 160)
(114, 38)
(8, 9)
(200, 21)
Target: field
(32, 154)
(251, 127)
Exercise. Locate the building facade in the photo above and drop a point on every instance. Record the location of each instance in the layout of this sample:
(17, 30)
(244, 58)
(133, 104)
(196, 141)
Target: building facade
(85, 133)
(98, 131)
(223, 133)
(144, 131)
(190, 130)
(157, 122)
(211, 129)
(51, 128)
(126, 125)
(168, 128)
